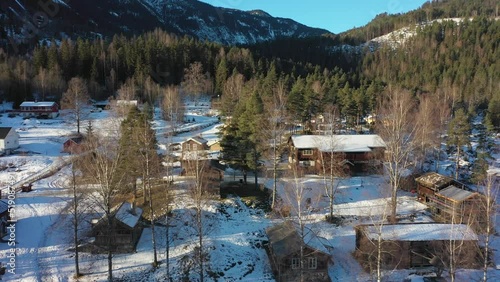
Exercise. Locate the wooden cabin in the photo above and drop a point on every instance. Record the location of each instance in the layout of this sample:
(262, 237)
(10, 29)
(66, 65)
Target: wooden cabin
(430, 183)
(355, 153)
(196, 143)
(284, 254)
(456, 205)
(125, 230)
(416, 245)
(450, 201)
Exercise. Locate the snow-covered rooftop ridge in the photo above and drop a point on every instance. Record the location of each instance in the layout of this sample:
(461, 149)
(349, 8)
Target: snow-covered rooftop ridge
(456, 194)
(128, 214)
(421, 232)
(198, 139)
(339, 143)
(37, 104)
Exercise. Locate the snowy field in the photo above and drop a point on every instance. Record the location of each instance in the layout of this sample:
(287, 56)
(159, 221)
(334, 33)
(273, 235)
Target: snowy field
(236, 233)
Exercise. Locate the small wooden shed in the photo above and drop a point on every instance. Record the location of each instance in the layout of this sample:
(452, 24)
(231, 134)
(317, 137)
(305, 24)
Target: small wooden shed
(284, 254)
(125, 230)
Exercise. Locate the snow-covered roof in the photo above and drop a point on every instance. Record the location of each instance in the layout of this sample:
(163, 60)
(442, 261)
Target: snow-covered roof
(456, 194)
(434, 180)
(37, 104)
(197, 139)
(339, 143)
(284, 239)
(128, 215)
(421, 232)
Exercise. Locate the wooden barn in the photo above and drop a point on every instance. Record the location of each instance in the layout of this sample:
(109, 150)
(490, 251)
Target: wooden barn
(430, 183)
(356, 153)
(451, 202)
(416, 245)
(125, 231)
(284, 254)
(73, 145)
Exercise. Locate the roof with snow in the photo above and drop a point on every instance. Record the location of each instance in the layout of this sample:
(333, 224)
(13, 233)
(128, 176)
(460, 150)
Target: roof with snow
(37, 104)
(456, 194)
(339, 143)
(128, 215)
(285, 240)
(434, 180)
(124, 213)
(198, 139)
(421, 232)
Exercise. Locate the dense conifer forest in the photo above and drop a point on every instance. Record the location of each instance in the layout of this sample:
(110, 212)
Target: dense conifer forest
(455, 62)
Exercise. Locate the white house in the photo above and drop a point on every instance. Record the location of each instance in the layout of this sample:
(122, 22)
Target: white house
(9, 140)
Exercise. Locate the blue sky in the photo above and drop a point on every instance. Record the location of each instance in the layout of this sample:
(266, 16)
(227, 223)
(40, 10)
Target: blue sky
(334, 15)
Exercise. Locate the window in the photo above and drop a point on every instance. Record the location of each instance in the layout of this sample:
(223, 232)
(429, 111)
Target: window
(312, 263)
(295, 263)
(195, 147)
(307, 152)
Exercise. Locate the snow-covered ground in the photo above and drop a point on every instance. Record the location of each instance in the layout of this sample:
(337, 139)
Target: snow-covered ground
(235, 232)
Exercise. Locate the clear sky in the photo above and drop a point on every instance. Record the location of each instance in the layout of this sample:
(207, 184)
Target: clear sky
(333, 15)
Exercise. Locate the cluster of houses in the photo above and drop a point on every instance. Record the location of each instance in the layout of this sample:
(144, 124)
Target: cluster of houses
(459, 213)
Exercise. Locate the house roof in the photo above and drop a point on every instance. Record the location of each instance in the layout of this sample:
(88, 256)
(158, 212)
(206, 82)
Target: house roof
(123, 213)
(456, 194)
(77, 139)
(37, 104)
(197, 139)
(421, 232)
(4, 131)
(285, 240)
(128, 215)
(434, 180)
(339, 143)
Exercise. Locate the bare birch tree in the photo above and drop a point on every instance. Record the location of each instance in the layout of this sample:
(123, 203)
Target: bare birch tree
(76, 99)
(100, 170)
(491, 189)
(396, 128)
(197, 166)
(172, 107)
(195, 81)
(274, 130)
(427, 135)
(332, 162)
(76, 215)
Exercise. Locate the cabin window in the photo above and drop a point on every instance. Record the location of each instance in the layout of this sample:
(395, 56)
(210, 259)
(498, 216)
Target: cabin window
(312, 263)
(307, 152)
(295, 263)
(195, 147)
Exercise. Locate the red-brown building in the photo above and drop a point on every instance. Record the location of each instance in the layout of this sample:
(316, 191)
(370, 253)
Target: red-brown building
(39, 109)
(73, 145)
(357, 153)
